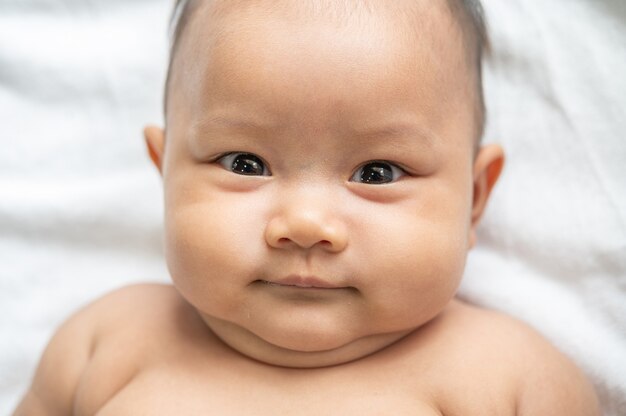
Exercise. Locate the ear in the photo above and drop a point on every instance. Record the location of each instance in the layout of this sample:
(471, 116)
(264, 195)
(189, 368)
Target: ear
(155, 142)
(487, 168)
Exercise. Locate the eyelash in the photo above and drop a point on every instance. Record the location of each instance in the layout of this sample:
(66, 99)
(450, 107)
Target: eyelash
(253, 165)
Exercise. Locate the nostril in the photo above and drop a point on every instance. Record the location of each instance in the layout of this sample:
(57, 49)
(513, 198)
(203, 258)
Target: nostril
(286, 240)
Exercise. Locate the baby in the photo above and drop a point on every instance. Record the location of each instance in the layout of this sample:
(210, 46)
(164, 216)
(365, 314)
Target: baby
(323, 182)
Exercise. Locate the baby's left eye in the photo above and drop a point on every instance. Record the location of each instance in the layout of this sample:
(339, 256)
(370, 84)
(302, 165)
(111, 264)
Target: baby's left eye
(377, 173)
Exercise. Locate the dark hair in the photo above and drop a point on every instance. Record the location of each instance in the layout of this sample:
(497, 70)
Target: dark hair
(469, 13)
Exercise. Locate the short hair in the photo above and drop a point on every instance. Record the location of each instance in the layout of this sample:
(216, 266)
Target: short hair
(469, 14)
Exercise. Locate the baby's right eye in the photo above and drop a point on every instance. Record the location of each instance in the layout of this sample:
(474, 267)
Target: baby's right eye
(244, 164)
(377, 173)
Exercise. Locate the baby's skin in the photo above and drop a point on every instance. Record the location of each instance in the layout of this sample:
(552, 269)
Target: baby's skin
(143, 350)
(323, 184)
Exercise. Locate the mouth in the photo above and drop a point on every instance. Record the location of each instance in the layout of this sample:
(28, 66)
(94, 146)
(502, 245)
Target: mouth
(304, 282)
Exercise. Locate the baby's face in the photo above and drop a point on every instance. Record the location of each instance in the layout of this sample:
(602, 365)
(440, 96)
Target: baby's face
(318, 175)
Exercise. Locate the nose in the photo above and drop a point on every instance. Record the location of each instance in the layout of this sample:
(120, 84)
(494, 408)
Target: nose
(306, 224)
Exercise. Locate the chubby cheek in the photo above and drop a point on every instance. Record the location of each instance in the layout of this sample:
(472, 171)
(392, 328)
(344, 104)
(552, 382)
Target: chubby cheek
(420, 265)
(209, 247)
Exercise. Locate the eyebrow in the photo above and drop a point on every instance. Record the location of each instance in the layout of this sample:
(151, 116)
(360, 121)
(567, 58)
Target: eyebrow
(394, 130)
(238, 123)
(397, 131)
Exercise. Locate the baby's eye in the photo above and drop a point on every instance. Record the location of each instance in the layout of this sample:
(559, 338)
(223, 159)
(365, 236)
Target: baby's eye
(377, 173)
(244, 164)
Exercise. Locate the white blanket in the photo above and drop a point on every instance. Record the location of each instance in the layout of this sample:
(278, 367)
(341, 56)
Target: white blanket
(80, 205)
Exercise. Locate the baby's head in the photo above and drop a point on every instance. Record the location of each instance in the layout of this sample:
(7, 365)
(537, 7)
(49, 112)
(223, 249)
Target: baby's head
(321, 170)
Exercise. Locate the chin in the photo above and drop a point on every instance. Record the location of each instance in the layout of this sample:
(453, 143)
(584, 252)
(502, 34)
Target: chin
(306, 338)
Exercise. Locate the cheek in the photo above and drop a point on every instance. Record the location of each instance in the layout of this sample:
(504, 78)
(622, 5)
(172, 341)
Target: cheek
(420, 258)
(423, 263)
(205, 239)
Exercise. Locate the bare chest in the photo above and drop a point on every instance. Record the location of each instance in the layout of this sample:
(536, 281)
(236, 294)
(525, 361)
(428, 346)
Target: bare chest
(183, 370)
(167, 391)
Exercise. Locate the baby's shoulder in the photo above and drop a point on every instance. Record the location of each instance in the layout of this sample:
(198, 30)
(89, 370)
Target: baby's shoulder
(135, 295)
(137, 308)
(141, 319)
(105, 337)
(497, 350)
(133, 303)
(497, 333)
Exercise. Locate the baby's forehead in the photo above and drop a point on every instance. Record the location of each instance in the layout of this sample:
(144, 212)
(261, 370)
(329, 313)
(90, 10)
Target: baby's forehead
(408, 34)
(411, 24)
(408, 25)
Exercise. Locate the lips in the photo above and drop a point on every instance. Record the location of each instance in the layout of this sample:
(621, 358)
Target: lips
(304, 282)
